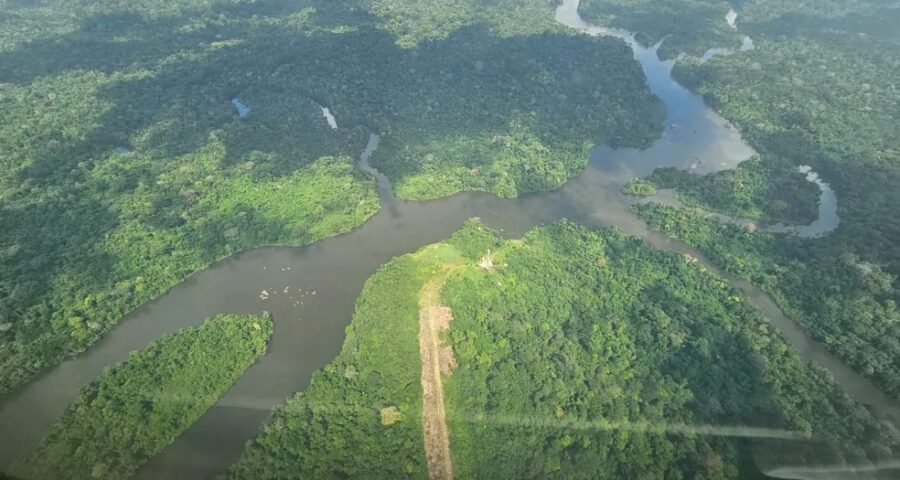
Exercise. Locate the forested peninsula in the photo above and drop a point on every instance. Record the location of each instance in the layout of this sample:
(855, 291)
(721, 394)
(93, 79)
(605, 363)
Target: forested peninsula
(126, 166)
(599, 355)
(144, 141)
(140, 406)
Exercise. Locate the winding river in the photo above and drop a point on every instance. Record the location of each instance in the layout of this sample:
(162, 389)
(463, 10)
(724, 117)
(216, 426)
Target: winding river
(826, 221)
(312, 290)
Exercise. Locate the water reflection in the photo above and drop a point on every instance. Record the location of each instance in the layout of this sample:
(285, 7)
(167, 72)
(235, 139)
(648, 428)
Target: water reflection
(309, 329)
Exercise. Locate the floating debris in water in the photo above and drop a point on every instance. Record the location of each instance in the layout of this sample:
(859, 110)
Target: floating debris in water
(263, 295)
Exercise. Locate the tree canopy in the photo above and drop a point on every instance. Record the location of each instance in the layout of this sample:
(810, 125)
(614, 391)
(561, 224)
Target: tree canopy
(818, 89)
(125, 167)
(580, 354)
(137, 408)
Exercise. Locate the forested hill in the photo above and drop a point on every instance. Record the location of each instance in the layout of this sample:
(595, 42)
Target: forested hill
(125, 166)
(574, 353)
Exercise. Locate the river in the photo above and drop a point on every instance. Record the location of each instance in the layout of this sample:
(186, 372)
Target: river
(312, 289)
(826, 221)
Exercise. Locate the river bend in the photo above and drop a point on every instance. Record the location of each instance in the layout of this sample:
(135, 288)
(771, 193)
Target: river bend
(311, 290)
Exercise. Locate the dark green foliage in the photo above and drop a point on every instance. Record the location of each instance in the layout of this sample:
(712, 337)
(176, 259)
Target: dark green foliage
(140, 406)
(757, 189)
(124, 167)
(580, 351)
(334, 428)
(474, 239)
(414, 22)
(512, 115)
(688, 26)
(848, 304)
(582, 354)
(819, 89)
(639, 187)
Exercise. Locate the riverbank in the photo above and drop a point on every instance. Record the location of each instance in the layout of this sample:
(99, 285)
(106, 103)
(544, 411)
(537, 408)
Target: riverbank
(308, 336)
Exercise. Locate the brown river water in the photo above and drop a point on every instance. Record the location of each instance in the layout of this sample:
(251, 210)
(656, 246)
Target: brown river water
(312, 289)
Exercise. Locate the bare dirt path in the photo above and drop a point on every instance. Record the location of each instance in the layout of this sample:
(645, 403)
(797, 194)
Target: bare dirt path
(437, 359)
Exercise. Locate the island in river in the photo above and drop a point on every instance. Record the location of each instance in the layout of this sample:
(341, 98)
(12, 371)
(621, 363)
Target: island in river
(257, 202)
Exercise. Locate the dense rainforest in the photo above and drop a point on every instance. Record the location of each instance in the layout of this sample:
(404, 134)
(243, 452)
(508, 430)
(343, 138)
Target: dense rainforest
(689, 27)
(600, 356)
(144, 140)
(847, 303)
(125, 167)
(757, 189)
(818, 89)
(139, 407)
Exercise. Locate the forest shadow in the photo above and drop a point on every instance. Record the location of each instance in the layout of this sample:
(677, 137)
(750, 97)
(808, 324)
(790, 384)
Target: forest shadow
(111, 42)
(114, 196)
(856, 28)
(688, 27)
(104, 43)
(59, 250)
(739, 380)
(456, 87)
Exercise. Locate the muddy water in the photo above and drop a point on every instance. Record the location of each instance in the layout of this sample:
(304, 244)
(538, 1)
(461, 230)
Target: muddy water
(311, 290)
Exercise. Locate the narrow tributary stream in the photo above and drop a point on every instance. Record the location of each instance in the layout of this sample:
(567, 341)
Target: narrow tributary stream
(312, 290)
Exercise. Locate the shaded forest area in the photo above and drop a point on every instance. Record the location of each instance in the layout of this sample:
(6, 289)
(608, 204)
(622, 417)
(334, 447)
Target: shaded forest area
(125, 167)
(684, 26)
(757, 189)
(818, 89)
(845, 302)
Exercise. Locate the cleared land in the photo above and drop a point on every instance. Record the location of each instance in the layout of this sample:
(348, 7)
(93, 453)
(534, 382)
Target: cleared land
(437, 359)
